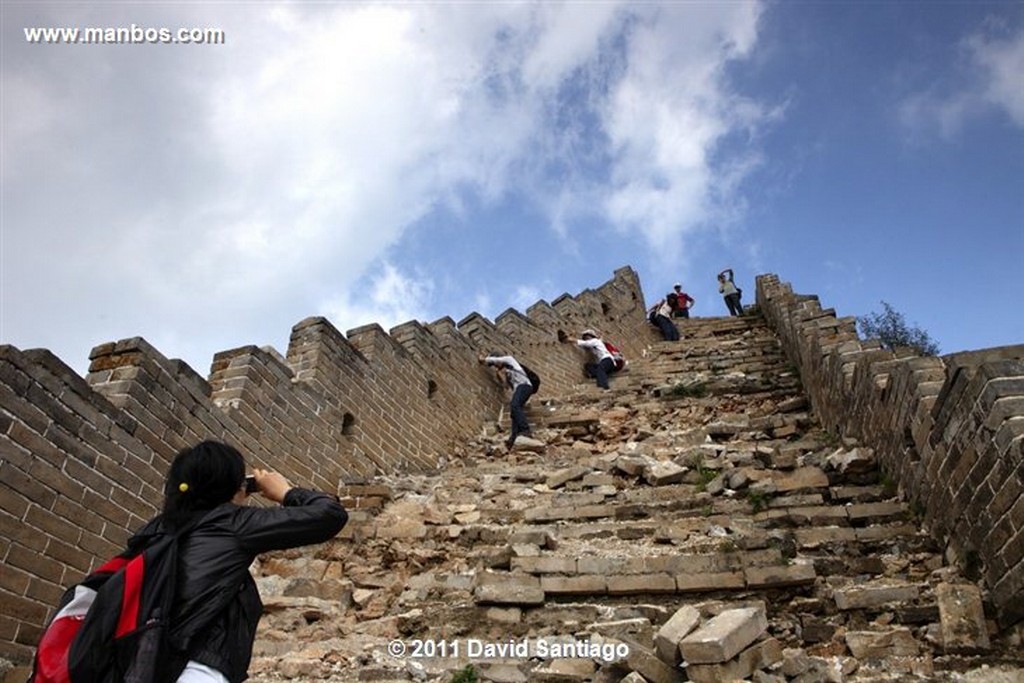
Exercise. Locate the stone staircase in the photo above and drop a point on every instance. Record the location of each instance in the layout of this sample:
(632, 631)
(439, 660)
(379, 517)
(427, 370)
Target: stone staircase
(693, 523)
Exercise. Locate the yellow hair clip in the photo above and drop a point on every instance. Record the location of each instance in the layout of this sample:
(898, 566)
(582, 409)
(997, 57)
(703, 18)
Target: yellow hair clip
(183, 487)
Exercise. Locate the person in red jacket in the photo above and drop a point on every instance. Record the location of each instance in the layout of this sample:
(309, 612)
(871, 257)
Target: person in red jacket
(683, 302)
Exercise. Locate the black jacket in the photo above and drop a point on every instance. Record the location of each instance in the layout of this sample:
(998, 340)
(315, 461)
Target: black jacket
(218, 606)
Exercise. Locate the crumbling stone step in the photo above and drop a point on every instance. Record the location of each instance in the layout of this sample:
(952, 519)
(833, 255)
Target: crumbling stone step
(860, 515)
(562, 575)
(750, 578)
(827, 535)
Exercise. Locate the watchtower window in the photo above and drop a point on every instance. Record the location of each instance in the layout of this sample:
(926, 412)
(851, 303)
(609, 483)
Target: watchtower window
(348, 424)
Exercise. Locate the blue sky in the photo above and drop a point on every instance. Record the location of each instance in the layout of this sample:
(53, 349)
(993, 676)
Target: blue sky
(375, 162)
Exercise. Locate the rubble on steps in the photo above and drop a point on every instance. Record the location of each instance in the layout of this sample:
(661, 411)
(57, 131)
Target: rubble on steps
(693, 523)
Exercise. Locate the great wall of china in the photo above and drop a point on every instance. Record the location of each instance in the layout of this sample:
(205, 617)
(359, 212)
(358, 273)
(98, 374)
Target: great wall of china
(856, 512)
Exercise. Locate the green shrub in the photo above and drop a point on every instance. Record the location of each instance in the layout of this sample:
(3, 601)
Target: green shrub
(466, 674)
(681, 390)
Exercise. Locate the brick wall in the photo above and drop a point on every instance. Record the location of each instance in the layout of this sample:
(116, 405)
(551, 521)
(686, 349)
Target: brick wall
(948, 429)
(82, 460)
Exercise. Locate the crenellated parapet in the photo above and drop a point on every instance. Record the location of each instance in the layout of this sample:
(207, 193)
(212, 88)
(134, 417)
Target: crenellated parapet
(334, 409)
(948, 430)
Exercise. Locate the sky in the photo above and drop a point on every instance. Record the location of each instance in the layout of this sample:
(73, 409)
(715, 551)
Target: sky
(386, 162)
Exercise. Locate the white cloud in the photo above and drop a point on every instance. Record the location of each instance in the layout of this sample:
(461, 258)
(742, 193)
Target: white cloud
(670, 112)
(235, 188)
(1002, 62)
(391, 298)
(992, 67)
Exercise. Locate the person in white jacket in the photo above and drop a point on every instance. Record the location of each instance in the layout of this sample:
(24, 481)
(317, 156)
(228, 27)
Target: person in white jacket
(660, 315)
(603, 364)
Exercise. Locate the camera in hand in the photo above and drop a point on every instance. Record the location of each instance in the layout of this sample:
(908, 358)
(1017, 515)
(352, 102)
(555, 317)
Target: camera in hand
(250, 484)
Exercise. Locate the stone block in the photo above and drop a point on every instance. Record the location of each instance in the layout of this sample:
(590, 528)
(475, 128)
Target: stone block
(595, 479)
(504, 615)
(525, 443)
(758, 656)
(818, 536)
(710, 581)
(962, 617)
(544, 565)
(641, 583)
(633, 465)
(401, 528)
(638, 629)
(602, 565)
(724, 636)
(565, 671)
(525, 550)
(879, 532)
(513, 590)
(855, 461)
(870, 596)
(679, 625)
(539, 538)
(795, 574)
(882, 511)
(561, 477)
(800, 479)
(664, 474)
(896, 642)
(644, 662)
(590, 584)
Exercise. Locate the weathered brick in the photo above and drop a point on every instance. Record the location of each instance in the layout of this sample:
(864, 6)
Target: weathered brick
(678, 626)
(760, 655)
(895, 642)
(724, 636)
(710, 581)
(796, 574)
(640, 583)
(545, 565)
(648, 665)
(569, 585)
(511, 591)
(962, 618)
(869, 596)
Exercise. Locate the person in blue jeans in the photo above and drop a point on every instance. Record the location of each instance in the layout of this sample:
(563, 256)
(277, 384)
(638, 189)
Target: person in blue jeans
(603, 364)
(730, 292)
(516, 379)
(660, 314)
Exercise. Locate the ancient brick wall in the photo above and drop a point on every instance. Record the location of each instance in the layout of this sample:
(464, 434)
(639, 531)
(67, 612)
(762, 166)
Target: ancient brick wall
(82, 460)
(949, 430)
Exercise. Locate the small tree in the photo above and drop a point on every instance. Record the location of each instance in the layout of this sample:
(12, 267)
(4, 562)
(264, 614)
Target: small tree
(890, 328)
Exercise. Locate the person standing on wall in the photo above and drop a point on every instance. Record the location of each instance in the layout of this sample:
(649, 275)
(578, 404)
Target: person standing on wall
(730, 292)
(660, 314)
(683, 302)
(518, 380)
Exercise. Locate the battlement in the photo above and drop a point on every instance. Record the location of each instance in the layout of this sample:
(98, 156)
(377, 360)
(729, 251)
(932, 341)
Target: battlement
(949, 430)
(82, 460)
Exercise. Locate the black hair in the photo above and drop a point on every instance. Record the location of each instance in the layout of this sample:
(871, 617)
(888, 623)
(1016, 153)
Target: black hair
(201, 478)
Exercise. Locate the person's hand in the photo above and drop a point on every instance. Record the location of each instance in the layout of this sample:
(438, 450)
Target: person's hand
(271, 485)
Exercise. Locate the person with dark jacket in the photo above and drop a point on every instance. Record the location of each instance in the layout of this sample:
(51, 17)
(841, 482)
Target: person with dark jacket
(217, 604)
